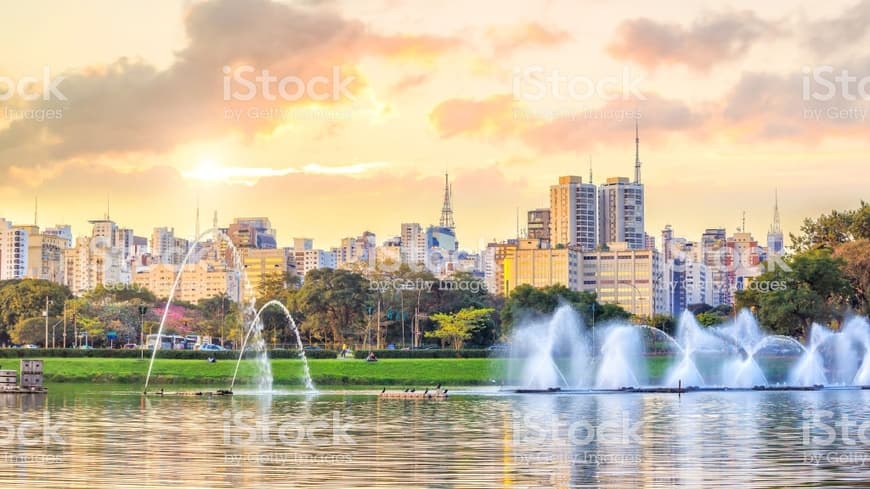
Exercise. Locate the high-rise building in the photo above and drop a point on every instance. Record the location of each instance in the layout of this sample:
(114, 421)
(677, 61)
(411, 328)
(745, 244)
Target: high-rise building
(529, 263)
(620, 207)
(252, 232)
(713, 255)
(413, 250)
(630, 278)
(261, 264)
(493, 265)
(441, 246)
(538, 225)
(356, 252)
(45, 256)
(742, 260)
(14, 250)
(775, 243)
(572, 213)
(199, 281)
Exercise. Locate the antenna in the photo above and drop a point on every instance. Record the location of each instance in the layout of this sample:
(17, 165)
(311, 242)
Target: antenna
(636, 152)
(196, 235)
(743, 225)
(447, 208)
(107, 207)
(590, 168)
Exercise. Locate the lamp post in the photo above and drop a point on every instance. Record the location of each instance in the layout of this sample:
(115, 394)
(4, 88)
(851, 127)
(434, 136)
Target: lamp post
(47, 303)
(142, 311)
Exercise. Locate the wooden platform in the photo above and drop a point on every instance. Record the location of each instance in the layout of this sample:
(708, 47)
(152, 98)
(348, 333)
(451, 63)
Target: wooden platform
(17, 389)
(425, 395)
(161, 392)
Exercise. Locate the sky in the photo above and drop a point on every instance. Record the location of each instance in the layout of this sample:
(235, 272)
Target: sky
(333, 118)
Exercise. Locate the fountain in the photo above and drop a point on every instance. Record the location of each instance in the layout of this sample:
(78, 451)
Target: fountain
(239, 268)
(559, 353)
(264, 382)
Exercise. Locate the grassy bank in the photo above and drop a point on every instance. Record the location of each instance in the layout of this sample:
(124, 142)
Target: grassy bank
(417, 372)
(471, 371)
(386, 372)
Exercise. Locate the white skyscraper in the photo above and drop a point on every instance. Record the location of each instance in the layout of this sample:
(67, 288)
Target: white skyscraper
(572, 213)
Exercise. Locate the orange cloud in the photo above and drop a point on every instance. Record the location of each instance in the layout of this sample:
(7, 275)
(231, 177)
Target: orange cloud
(509, 38)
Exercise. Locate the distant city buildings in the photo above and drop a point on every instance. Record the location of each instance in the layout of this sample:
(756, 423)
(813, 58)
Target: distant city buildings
(590, 238)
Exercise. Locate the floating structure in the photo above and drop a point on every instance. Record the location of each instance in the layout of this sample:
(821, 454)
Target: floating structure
(31, 379)
(412, 394)
(161, 392)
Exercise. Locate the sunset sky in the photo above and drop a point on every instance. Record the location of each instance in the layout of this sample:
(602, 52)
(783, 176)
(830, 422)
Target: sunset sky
(431, 87)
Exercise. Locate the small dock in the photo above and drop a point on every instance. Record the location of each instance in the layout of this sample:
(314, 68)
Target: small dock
(31, 379)
(412, 394)
(163, 393)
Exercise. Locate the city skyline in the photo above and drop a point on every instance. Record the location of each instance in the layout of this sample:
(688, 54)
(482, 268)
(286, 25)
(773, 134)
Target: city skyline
(723, 125)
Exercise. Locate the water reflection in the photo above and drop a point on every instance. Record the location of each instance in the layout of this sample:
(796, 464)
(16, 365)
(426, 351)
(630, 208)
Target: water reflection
(77, 437)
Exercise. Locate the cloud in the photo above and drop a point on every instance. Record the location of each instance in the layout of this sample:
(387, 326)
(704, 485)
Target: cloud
(501, 118)
(845, 30)
(252, 175)
(409, 82)
(131, 106)
(490, 117)
(505, 39)
(710, 40)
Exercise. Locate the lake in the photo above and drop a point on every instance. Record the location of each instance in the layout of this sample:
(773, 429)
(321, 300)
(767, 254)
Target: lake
(111, 436)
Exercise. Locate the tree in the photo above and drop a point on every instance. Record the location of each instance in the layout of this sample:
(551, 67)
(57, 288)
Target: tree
(25, 298)
(32, 331)
(528, 302)
(334, 304)
(456, 328)
(831, 230)
(813, 289)
(856, 267)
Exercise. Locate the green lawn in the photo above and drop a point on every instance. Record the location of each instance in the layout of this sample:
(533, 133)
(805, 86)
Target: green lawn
(394, 372)
(472, 371)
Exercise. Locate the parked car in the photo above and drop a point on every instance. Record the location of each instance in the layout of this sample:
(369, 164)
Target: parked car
(211, 347)
(31, 347)
(312, 348)
(499, 347)
(130, 346)
(86, 347)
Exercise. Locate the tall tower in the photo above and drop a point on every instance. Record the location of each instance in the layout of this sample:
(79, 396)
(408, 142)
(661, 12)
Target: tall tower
(636, 153)
(774, 235)
(447, 209)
